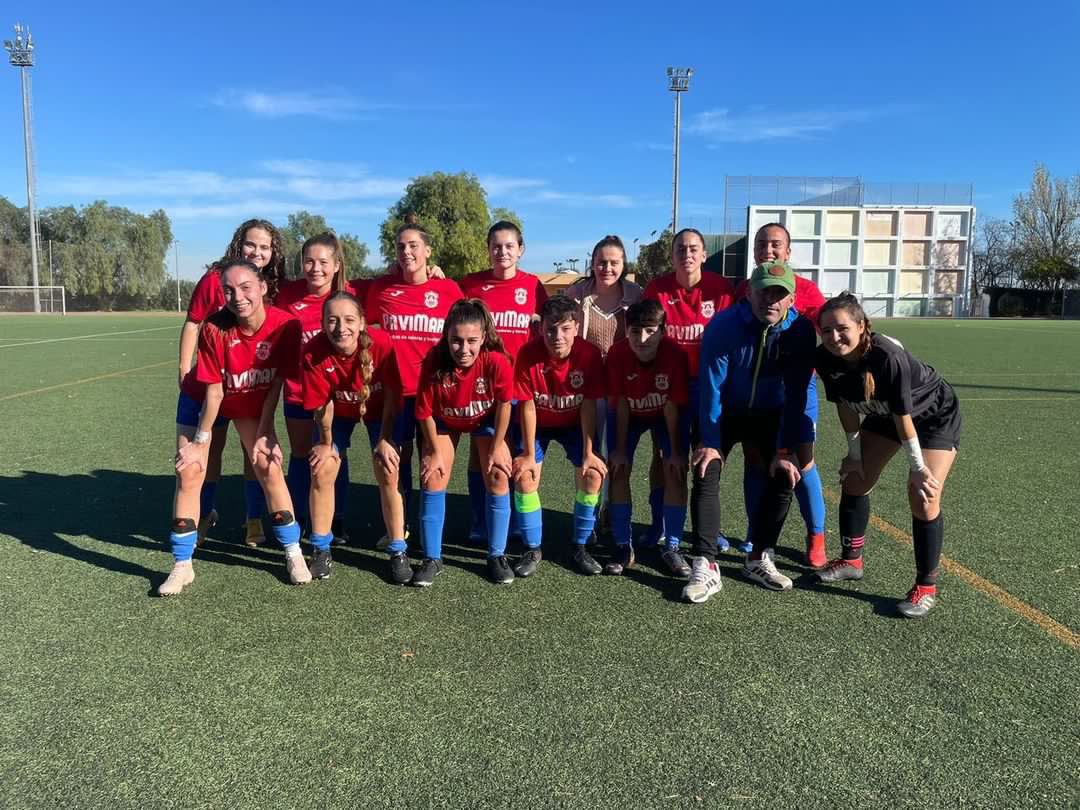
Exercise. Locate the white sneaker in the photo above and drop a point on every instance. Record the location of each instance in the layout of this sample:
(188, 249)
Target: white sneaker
(297, 567)
(179, 578)
(704, 581)
(764, 573)
(384, 542)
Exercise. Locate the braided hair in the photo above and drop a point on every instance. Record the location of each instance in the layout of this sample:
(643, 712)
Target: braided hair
(367, 363)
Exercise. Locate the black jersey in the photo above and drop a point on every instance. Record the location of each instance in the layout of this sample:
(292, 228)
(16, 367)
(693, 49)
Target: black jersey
(903, 384)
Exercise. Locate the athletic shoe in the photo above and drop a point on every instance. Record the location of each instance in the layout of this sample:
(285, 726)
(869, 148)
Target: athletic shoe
(341, 535)
(621, 560)
(745, 546)
(528, 563)
(839, 570)
(426, 573)
(585, 563)
(297, 568)
(320, 565)
(384, 542)
(206, 523)
(722, 543)
(499, 570)
(815, 551)
(676, 563)
(704, 581)
(254, 535)
(918, 602)
(180, 577)
(400, 570)
(764, 573)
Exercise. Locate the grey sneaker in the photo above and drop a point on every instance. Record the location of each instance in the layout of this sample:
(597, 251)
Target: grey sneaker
(704, 581)
(528, 563)
(919, 601)
(320, 564)
(676, 563)
(764, 573)
(179, 578)
(400, 570)
(839, 570)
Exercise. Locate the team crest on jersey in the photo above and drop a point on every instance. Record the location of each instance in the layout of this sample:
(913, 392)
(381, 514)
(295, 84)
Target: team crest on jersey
(431, 300)
(481, 386)
(521, 295)
(708, 309)
(262, 350)
(662, 382)
(577, 379)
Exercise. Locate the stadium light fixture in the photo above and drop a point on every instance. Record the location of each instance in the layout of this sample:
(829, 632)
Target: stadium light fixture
(21, 55)
(678, 83)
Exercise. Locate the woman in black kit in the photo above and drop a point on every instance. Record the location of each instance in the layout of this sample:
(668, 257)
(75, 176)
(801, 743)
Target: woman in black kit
(887, 399)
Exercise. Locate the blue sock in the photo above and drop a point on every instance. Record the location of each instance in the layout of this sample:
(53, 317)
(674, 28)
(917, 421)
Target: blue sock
(287, 534)
(530, 518)
(753, 486)
(206, 497)
(321, 541)
(341, 487)
(811, 500)
(397, 546)
(656, 508)
(498, 522)
(674, 520)
(254, 499)
(405, 485)
(515, 518)
(620, 522)
(299, 480)
(478, 504)
(584, 516)
(432, 518)
(182, 545)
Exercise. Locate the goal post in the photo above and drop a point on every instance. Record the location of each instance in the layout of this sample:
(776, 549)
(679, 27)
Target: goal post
(29, 298)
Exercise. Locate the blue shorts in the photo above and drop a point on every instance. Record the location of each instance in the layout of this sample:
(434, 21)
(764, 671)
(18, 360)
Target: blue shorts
(188, 411)
(635, 430)
(405, 423)
(485, 428)
(342, 430)
(569, 438)
(374, 430)
(294, 411)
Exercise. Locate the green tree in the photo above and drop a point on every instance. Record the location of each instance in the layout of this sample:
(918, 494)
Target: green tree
(301, 226)
(1046, 225)
(453, 209)
(14, 244)
(505, 215)
(654, 259)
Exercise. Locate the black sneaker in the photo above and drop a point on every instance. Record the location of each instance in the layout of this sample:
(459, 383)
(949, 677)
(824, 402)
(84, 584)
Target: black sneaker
(499, 570)
(320, 565)
(528, 563)
(337, 528)
(426, 573)
(676, 563)
(585, 563)
(622, 559)
(400, 570)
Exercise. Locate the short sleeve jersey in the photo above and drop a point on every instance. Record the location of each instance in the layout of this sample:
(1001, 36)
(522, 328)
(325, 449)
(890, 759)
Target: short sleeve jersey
(413, 315)
(808, 298)
(903, 384)
(246, 365)
(326, 375)
(647, 387)
(688, 311)
(207, 297)
(513, 303)
(293, 297)
(463, 401)
(558, 387)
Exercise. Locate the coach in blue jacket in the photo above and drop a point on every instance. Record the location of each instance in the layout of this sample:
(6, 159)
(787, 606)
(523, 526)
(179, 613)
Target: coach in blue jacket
(756, 364)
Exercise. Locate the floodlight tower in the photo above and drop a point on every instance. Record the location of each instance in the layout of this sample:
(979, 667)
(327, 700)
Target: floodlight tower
(21, 55)
(678, 83)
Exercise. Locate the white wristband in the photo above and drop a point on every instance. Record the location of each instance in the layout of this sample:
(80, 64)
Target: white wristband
(854, 446)
(201, 437)
(914, 454)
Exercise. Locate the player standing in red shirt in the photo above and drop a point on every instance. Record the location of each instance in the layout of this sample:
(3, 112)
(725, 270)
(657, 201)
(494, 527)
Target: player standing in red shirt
(648, 392)
(465, 386)
(246, 351)
(558, 379)
(514, 298)
(258, 242)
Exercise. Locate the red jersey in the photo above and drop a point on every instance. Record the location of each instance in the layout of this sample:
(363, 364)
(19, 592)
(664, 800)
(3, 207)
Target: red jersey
(293, 297)
(463, 401)
(688, 311)
(647, 387)
(513, 304)
(413, 315)
(558, 387)
(246, 365)
(325, 375)
(207, 297)
(358, 287)
(808, 298)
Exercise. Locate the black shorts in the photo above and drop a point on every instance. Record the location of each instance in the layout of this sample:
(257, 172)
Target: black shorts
(757, 429)
(939, 431)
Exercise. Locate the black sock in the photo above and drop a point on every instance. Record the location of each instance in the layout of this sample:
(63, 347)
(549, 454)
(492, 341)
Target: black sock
(854, 517)
(928, 536)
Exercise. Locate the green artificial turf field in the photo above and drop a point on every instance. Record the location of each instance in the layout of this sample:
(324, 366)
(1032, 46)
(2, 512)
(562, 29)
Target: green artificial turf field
(559, 691)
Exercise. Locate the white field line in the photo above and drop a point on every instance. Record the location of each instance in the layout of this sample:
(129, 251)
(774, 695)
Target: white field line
(85, 337)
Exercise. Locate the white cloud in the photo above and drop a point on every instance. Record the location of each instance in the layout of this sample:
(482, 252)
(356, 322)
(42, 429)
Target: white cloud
(534, 190)
(246, 209)
(758, 124)
(282, 104)
(496, 186)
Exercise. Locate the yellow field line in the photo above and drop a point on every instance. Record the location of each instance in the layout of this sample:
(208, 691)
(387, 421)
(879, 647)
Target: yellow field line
(85, 380)
(1065, 635)
(84, 337)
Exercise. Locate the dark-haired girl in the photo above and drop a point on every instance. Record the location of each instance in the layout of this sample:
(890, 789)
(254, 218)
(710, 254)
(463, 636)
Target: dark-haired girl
(465, 386)
(246, 351)
(256, 241)
(887, 399)
(349, 374)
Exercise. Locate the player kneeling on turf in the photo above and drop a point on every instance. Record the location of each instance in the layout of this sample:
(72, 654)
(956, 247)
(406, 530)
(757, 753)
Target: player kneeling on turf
(647, 390)
(347, 373)
(558, 378)
(245, 353)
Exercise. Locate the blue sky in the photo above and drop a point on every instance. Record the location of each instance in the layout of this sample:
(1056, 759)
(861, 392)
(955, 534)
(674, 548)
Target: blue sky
(217, 113)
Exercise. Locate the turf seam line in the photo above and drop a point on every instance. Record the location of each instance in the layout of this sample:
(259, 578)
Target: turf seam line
(85, 380)
(84, 337)
(1064, 634)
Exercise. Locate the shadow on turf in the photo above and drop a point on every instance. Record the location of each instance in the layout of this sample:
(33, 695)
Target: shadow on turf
(1027, 388)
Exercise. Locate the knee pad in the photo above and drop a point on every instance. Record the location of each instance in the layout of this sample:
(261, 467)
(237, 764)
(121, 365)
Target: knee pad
(282, 518)
(183, 525)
